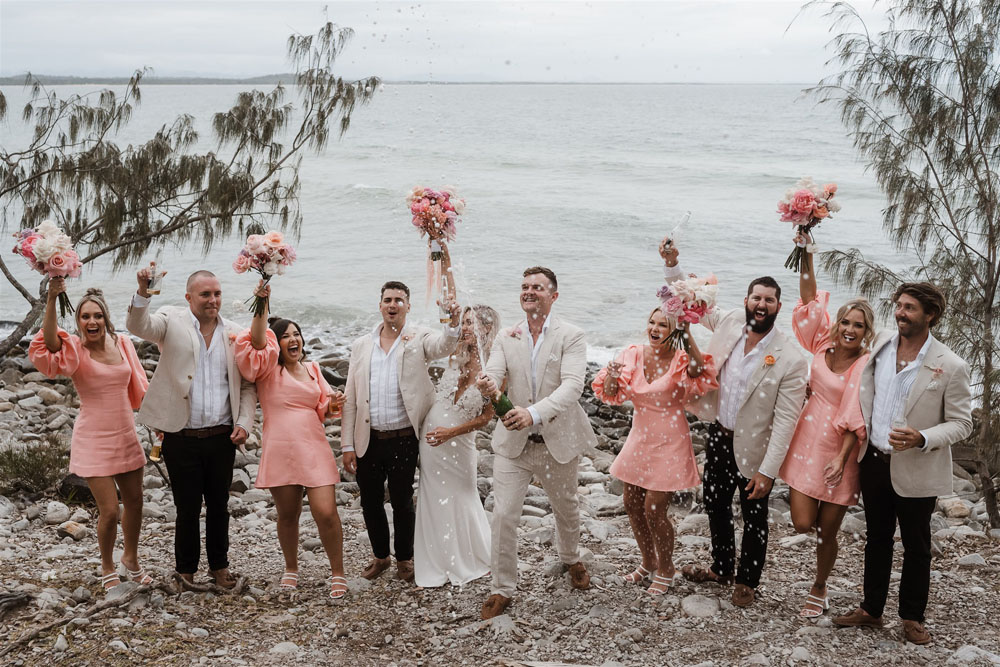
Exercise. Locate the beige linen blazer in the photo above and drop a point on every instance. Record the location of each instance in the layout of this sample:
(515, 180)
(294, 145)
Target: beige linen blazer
(562, 366)
(418, 347)
(939, 405)
(773, 398)
(165, 406)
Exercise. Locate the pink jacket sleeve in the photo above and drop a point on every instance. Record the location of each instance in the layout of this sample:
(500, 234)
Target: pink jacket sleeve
(693, 387)
(630, 359)
(811, 323)
(64, 362)
(137, 383)
(325, 391)
(849, 416)
(256, 364)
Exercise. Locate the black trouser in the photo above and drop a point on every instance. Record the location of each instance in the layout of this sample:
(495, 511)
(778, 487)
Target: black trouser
(200, 468)
(722, 478)
(393, 460)
(883, 507)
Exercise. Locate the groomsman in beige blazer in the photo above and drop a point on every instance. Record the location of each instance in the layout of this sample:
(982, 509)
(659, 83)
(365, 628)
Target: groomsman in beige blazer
(389, 393)
(204, 409)
(916, 400)
(543, 361)
(762, 385)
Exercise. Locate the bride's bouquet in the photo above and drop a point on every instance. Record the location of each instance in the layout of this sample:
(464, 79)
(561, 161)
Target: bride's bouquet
(50, 252)
(435, 213)
(268, 255)
(806, 205)
(687, 301)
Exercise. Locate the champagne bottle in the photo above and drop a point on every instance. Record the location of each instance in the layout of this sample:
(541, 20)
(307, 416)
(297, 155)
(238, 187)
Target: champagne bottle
(501, 404)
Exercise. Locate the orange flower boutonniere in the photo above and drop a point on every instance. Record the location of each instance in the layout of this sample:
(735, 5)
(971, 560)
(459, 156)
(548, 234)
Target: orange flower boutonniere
(769, 360)
(232, 337)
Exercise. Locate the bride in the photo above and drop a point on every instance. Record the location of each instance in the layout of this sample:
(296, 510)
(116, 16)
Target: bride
(452, 542)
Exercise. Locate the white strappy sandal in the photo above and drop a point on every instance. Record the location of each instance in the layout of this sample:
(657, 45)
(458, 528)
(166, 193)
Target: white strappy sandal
(110, 580)
(662, 584)
(140, 576)
(637, 576)
(815, 606)
(338, 587)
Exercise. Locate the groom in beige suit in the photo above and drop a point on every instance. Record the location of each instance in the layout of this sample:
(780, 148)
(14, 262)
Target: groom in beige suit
(762, 385)
(389, 393)
(916, 401)
(543, 361)
(204, 409)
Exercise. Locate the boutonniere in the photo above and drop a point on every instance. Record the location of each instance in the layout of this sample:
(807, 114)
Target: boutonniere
(232, 337)
(515, 333)
(407, 337)
(769, 360)
(936, 373)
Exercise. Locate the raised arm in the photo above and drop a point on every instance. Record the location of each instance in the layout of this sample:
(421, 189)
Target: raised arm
(672, 271)
(50, 323)
(807, 277)
(258, 326)
(138, 321)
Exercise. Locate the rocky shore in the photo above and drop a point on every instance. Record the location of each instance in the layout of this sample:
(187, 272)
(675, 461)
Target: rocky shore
(49, 574)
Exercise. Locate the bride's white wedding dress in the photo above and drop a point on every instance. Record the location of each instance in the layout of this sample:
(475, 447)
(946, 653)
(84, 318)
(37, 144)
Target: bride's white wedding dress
(452, 541)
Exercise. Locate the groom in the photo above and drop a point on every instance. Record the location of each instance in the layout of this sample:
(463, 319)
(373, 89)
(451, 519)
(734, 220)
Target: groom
(914, 378)
(762, 384)
(389, 393)
(543, 360)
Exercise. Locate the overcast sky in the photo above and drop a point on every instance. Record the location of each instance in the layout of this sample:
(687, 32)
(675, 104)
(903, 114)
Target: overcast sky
(684, 41)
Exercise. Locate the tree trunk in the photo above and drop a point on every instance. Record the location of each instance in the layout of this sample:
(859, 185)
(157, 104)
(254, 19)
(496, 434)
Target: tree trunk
(18, 333)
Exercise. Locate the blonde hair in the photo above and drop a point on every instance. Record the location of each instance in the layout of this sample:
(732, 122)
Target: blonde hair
(95, 295)
(488, 327)
(865, 308)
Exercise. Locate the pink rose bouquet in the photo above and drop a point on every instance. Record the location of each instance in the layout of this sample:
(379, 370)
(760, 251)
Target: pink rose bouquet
(806, 205)
(268, 255)
(50, 252)
(685, 302)
(435, 213)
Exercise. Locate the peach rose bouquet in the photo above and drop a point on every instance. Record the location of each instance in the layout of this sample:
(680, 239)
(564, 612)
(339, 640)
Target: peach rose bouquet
(685, 302)
(806, 205)
(268, 255)
(50, 252)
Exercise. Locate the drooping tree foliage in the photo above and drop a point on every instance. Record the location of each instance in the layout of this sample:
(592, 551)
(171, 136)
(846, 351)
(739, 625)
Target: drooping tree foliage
(118, 201)
(921, 101)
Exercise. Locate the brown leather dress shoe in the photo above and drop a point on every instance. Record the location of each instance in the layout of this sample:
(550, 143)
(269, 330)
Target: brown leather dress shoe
(494, 606)
(700, 574)
(742, 595)
(916, 633)
(858, 618)
(376, 567)
(222, 578)
(404, 570)
(578, 577)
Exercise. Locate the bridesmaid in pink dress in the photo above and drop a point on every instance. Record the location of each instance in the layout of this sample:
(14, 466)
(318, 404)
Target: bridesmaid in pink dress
(821, 465)
(105, 449)
(295, 399)
(657, 458)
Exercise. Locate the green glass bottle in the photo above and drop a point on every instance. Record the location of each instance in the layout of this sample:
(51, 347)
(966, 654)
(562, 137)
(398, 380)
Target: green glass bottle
(501, 404)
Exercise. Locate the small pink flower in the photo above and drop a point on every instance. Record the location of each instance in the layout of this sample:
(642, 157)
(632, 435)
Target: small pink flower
(273, 239)
(242, 263)
(515, 333)
(830, 189)
(57, 265)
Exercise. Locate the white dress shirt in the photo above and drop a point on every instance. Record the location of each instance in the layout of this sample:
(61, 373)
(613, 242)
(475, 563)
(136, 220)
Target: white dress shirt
(735, 376)
(208, 397)
(388, 413)
(891, 390)
(535, 418)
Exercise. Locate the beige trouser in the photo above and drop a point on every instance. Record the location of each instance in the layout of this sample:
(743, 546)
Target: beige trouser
(510, 484)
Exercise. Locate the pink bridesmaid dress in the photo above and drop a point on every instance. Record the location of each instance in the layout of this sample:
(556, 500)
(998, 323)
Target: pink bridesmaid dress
(657, 456)
(295, 450)
(833, 408)
(104, 440)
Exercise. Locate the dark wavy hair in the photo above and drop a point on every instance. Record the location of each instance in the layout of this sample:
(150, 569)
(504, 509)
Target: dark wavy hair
(279, 326)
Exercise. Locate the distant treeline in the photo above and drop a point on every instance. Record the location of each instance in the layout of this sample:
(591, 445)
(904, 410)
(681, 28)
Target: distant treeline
(49, 80)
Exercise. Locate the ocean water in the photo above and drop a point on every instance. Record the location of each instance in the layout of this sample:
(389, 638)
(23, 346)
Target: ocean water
(584, 179)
